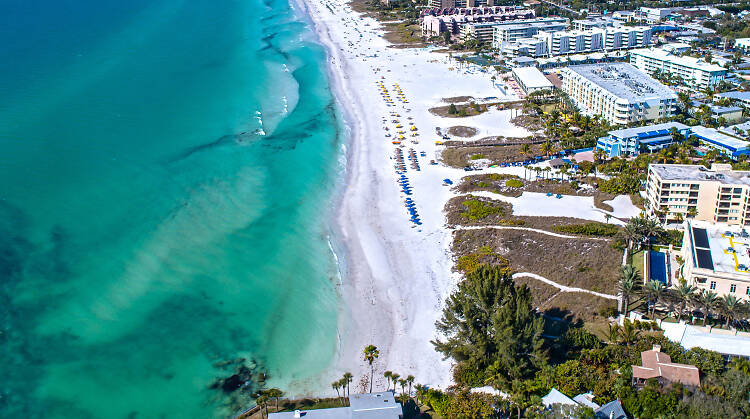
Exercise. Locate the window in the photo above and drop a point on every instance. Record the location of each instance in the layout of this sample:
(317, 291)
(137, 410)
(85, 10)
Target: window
(733, 288)
(713, 285)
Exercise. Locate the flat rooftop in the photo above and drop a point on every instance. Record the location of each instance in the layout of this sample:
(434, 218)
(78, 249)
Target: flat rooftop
(721, 341)
(735, 95)
(688, 172)
(720, 248)
(361, 406)
(532, 78)
(690, 62)
(624, 81)
(711, 135)
(649, 130)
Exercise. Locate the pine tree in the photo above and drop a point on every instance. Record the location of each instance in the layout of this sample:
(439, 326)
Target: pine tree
(490, 326)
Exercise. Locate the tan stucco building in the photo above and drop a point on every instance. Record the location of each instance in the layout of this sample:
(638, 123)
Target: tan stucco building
(679, 191)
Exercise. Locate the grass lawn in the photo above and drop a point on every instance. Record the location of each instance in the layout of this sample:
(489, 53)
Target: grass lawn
(637, 261)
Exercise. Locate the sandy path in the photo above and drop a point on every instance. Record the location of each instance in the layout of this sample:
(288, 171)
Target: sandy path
(562, 288)
(535, 230)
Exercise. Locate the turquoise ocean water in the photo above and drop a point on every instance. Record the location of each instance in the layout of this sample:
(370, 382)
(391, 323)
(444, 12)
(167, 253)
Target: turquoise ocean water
(149, 232)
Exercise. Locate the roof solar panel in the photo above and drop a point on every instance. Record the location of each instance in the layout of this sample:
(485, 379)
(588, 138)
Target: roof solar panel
(700, 238)
(704, 259)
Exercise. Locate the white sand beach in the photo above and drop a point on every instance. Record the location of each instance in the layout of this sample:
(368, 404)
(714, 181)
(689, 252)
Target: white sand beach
(399, 273)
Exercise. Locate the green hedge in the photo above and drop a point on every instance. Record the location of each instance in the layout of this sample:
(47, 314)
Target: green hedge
(589, 229)
(513, 183)
(478, 210)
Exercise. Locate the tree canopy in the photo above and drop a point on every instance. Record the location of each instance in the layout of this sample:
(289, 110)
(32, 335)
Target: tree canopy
(489, 325)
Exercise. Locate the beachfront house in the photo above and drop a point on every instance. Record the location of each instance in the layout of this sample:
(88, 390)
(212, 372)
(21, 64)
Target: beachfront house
(658, 365)
(361, 406)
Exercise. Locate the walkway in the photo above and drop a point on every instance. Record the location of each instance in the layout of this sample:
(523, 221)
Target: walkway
(535, 230)
(562, 288)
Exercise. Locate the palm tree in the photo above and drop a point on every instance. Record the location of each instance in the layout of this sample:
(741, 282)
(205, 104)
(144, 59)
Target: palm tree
(607, 217)
(388, 375)
(707, 299)
(525, 148)
(395, 378)
(651, 228)
(685, 293)
(262, 401)
(410, 380)
(547, 148)
(631, 235)
(614, 332)
(629, 284)
(336, 385)
(730, 305)
(371, 354)
(275, 393)
(629, 333)
(654, 291)
(402, 384)
(421, 391)
(348, 378)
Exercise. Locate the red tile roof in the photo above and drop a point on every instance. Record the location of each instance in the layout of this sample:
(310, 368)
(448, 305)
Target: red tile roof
(657, 364)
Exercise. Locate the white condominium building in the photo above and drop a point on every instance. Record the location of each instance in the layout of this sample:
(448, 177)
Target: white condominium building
(589, 24)
(619, 92)
(719, 195)
(552, 42)
(694, 72)
(509, 32)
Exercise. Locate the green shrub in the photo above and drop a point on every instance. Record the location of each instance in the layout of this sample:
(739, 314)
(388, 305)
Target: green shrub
(624, 183)
(608, 312)
(467, 263)
(580, 338)
(477, 156)
(500, 176)
(476, 210)
(465, 375)
(483, 185)
(513, 183)
(589, 229)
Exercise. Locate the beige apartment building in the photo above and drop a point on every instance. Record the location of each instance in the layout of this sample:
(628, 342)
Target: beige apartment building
(679, 191)
(716, 258)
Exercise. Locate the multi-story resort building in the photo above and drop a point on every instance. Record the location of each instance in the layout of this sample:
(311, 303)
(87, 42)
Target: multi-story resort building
(513, 31)
(618, 92)
(726, 144)
(715, 207)
(632, 141)
(742, 43)
(719, 195)
(740, 98)
(589, 24)
(437, 21)
(457, 4)
(551, 42)
(717, 258)
(696, 73)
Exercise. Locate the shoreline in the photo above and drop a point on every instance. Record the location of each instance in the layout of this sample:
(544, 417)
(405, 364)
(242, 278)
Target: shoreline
(368, 257)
